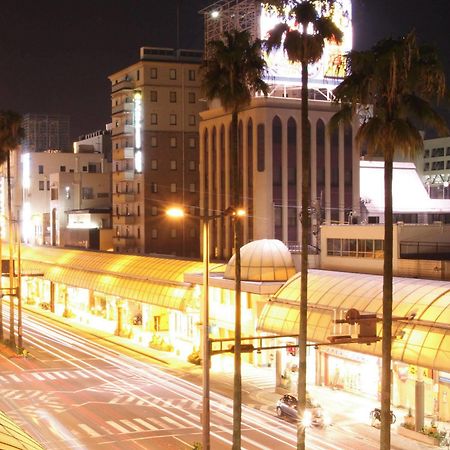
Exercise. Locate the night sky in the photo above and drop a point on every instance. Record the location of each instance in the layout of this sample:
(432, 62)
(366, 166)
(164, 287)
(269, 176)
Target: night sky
(55, 55)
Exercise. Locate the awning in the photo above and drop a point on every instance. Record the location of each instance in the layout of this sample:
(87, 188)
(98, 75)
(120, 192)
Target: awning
(424, 340)
(152, 280)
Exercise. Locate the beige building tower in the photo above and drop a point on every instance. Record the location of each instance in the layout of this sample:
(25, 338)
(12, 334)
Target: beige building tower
(155, 108)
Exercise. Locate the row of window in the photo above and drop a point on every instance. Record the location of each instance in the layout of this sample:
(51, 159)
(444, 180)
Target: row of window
(172, 96)
(356, 248)
(173, 188)
(435, 152)
(436, 165)
(154, 233)
(173, 119)
(90, 168)
(191, 75)
(87, 193)
(173, 165)
(173, 142)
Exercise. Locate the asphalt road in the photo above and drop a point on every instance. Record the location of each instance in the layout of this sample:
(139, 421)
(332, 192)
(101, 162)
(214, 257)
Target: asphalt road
(78, 392)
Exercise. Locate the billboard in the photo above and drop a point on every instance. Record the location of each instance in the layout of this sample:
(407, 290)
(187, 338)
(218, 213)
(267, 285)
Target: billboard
(321, 74)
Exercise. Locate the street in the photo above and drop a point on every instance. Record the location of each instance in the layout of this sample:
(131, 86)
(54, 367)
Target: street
(78, 392)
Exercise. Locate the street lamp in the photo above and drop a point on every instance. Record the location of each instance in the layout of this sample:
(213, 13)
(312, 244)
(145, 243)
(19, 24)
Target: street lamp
(206, 350)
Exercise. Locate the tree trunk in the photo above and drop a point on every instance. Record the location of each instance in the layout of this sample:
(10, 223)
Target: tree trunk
(12, 339)
(305, 220)
(385, 435)
(237, 229)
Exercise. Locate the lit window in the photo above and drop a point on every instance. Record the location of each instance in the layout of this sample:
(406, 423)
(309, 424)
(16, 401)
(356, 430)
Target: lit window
(173, 119)
(154, 164)
(191, 75)
(153, 73)
(154, 188)
(173, 142)
(191, 97)
(173, 187)
(173, 165)
(172, 97)
(154, 119)
(154, 141)
(153, 96)
(191, 119)
(173, 74)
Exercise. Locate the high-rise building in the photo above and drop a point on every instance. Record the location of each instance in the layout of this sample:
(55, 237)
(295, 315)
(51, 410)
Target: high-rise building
(46, 131)
(155, 112)
(270, 140)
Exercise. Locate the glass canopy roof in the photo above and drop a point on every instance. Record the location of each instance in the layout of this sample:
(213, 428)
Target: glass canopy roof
(422, 309)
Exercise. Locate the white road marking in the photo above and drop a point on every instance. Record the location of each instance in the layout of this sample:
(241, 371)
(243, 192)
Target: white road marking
(117, 426)
(130, 424)
(147, 425)
(89, 430)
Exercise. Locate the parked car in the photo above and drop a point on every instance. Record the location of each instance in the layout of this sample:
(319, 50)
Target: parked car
(314, 415)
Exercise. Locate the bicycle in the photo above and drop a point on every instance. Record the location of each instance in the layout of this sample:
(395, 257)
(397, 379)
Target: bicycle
(444, 441)
(375, 416)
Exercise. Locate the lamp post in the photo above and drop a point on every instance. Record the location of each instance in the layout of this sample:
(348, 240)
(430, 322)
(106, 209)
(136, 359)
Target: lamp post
(206, 350)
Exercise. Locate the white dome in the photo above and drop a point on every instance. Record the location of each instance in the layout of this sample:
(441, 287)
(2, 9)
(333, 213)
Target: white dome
(263, 260)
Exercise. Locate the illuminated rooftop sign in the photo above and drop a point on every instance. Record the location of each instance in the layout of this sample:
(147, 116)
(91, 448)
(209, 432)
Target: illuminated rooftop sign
(322, 74)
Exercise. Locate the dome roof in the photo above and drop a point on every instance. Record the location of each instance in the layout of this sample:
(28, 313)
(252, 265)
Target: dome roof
(263, 260)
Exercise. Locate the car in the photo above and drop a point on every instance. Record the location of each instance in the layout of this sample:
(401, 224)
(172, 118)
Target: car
(314, 415)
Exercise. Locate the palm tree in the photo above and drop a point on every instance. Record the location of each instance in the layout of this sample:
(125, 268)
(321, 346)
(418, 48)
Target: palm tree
(397, 79)
(233, 73)
(11, 134)
(304, 45)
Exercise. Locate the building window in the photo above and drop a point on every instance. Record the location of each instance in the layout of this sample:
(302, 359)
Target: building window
(437, 152)
(154, 188)
(191, 119)
(54, 194)
(173, 119)
(153, 73)
(173, 165)
(192, 165)
(138, 233)
(41, 185)
(138, 188)
(426, 153)
(154, 233)
(448, 151)
(154, 164)
(172, 97)
(173, 233)
(87, 193)
(154, 211)
(448, 164)
(191, 142)
(173, 187)
(48, 185)
(426, 166)
(192, 187)
(192, 233)
(173, 142)
(154, 141)
(191, 75)
(138, 210)
(191, 97)
(260, 148)
(437, 165)
(154, 119)
(40, 169)
(137, 75)
(62, 168)
(356, 248)
(153, 96)
(173, 74)
(102, 195)
(84, 169)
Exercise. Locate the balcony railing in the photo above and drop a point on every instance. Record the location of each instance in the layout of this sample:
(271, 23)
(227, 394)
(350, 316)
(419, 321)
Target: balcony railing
(123, 107)
(123, 129)
(123, 153)
(123, 175)
(125, 220)
(438, 251)
(124, 84)
(124, 197)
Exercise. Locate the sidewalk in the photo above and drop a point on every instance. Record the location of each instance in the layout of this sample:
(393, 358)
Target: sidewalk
(349, 412)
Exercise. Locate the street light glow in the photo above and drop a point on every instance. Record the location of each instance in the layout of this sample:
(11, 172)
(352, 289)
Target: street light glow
(175, 212)
(215, 14)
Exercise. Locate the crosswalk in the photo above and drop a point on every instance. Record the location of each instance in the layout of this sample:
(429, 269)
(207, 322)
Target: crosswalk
(26, 377)
(134, 425)
(174, 403)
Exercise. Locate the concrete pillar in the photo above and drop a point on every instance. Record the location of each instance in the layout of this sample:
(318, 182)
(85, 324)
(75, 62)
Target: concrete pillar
(420, 400)
(278, 368)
